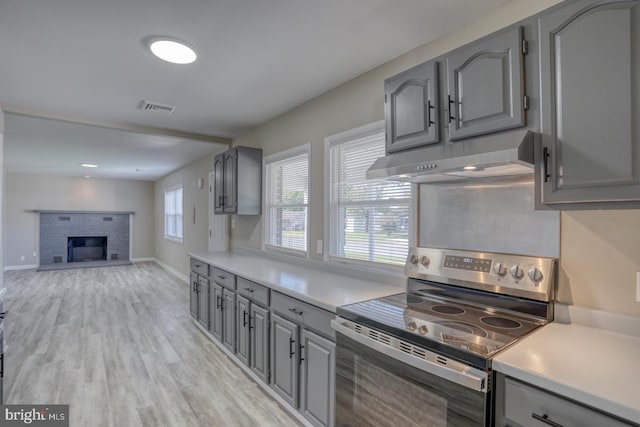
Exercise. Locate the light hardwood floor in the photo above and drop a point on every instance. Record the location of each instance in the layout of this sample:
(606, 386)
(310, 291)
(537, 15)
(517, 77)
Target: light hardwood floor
(119, 346)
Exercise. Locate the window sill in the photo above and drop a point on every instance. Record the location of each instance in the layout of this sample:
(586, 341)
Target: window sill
(174, 240)
(372, 267)
(285, 251)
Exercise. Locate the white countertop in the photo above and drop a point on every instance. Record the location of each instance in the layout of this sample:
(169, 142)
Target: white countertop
(318, 286)
(597, 367)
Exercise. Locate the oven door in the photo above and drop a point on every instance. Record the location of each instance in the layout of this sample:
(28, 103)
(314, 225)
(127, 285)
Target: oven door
(380, 382)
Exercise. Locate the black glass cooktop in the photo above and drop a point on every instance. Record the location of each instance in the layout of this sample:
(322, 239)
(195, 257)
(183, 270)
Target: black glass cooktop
(467, 332)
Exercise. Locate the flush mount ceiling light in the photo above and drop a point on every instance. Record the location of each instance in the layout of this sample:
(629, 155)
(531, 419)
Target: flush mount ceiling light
(470, 168)
(88, 165)
(172, 50)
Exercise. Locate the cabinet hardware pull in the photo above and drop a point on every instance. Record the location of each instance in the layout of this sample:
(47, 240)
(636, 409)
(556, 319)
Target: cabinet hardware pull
(249, 290)
(545, 161)
(4, 313)
(429, 117)
(292, 350)
(294, 311)
(218, 302)
(451, 101)
(545, 419)
(2, 365)
(244, 319)
(222, 277)
(198, 265)
(250, 325)
(301, 353)
(219, 200)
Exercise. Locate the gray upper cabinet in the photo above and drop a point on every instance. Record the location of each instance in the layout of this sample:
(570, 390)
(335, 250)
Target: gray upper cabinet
(284, 361)
(259, 324)
(318, 379)
(485, 85)
(243, 337)
(238, 181)
(589, 56)
(412, 108)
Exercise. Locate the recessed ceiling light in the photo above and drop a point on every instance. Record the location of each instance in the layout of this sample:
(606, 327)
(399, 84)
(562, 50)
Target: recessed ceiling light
(87, 176)
(88, 165)
(172, 50)
(470, 168)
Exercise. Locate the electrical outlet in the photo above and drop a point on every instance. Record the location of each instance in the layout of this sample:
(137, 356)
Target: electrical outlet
(34, 253)
(21, 257)
(319, 247)
(638, 286)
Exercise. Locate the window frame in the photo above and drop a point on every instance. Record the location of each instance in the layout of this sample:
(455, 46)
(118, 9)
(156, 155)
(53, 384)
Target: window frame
(364, 131)
(266, 162)
(167, 236)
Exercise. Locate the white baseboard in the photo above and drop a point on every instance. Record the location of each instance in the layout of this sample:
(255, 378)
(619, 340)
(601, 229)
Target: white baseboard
(20, 267)
(148, 259)
(171, 270)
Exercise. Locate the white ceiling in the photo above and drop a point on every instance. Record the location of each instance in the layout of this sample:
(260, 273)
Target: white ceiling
(257, 58)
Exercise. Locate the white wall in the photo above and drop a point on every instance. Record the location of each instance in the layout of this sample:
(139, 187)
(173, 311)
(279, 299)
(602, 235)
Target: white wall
(26, 192)
(196, 233)
(2, 204)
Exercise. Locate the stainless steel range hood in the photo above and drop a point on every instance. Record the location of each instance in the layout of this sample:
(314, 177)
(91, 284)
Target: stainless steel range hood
(499, 155)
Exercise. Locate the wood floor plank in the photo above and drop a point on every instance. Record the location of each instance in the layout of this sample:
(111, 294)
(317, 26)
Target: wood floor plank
(118, 344)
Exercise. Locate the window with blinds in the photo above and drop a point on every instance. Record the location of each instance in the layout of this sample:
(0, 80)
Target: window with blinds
(287, 202)
(369, 220)
(173, 214)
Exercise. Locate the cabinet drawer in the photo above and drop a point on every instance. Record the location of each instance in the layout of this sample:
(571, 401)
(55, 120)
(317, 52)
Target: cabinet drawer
(253, 291)
(223, 278)
(308, 315)
(200, 267)
(530, 406)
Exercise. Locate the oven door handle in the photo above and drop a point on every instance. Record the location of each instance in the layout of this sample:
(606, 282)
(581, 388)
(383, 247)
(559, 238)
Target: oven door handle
(457, 372)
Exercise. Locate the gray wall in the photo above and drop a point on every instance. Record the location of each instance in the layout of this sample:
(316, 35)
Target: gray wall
(26, 192)
(2, 205)
(196, 231)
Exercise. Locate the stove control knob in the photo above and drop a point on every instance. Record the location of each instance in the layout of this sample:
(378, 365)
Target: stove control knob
(516, 271)
(412, 326)
(423, 330)
(535, 274)
(424, 260)
(500, 269)
(413, 259)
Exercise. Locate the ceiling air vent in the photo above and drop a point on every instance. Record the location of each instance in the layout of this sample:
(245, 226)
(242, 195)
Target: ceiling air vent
(155, 107)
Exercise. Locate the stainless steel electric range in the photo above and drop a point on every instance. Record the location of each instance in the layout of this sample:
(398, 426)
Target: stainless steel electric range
(423, 357)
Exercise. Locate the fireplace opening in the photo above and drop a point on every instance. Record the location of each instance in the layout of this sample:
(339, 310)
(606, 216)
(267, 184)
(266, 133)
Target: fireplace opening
(86, 248)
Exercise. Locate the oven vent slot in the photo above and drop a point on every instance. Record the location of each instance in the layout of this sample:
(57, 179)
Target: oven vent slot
(419, 353)
(374, 335)
(405, 347)
(441, 360)
(357, 328)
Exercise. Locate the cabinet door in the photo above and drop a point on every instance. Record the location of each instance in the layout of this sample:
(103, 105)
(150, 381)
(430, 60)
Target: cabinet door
(230, 199)
(216, 311)
(243, 335)
(193, 299)
(318, 379)
(203, 302)
(589, 55)
(284, 359)
(412, 108)
(218, 188)
(259, 324)
(485, 83)
(229, 322)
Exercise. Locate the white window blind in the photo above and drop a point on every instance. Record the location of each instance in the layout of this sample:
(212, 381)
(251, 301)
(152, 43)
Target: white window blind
(369, 220)
(287, 203)
(173, 213)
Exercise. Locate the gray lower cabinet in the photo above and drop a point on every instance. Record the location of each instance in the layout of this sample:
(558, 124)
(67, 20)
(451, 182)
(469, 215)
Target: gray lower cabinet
(317, 382)
(203, 301)
(243, 339)
(590, 95)
(519, 404)
(216, 296)
(485, 83)
(259, 337)
(303, 358)
(193, 295)
(229, 319)
(412, 107)
(284, 359)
